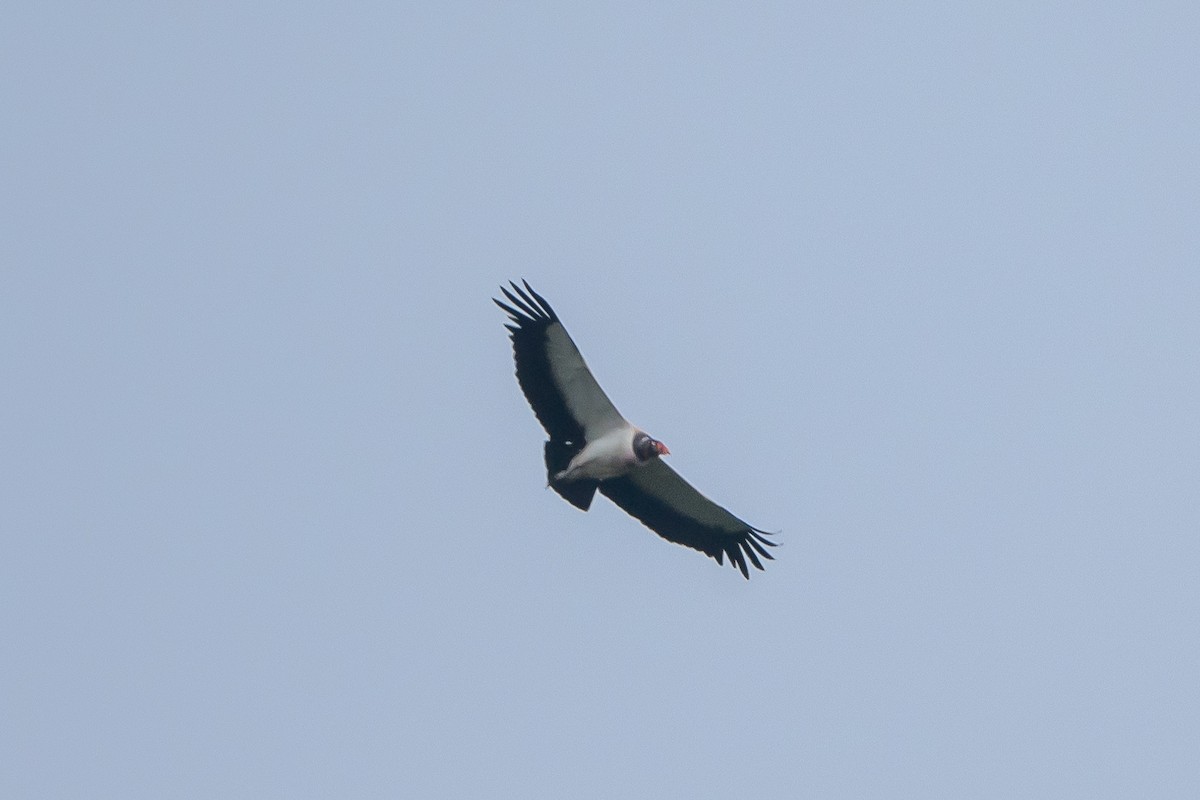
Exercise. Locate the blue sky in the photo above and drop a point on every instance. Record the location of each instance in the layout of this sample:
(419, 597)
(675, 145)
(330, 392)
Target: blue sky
(916, 286)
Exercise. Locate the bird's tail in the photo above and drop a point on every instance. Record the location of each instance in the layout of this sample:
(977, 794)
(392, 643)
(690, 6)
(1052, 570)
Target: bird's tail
(577, 493)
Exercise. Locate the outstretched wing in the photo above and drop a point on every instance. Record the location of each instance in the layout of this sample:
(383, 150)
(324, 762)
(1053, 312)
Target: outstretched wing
(553, 375)
(668, 505)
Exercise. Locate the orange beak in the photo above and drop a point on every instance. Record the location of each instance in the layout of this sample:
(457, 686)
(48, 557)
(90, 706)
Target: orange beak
(662, 449)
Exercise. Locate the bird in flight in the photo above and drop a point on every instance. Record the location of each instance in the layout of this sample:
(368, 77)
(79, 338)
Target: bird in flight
(591, 446)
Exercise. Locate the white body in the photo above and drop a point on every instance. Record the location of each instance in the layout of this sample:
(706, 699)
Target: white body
(607, 457)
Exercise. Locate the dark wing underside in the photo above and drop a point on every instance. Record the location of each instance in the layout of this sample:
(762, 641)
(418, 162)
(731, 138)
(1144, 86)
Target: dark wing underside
(553, 375)
(668, 505)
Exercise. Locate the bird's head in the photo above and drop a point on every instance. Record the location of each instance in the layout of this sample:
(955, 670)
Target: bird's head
(646, 448)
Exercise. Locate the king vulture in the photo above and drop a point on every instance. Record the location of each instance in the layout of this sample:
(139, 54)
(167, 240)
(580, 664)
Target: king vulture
(593, 447)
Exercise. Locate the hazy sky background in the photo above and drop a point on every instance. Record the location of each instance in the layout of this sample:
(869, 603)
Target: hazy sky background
(916, 284)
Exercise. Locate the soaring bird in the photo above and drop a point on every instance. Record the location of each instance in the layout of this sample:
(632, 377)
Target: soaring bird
(591, 446)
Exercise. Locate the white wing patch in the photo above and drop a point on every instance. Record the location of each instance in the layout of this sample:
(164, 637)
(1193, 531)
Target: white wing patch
(583, 396)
